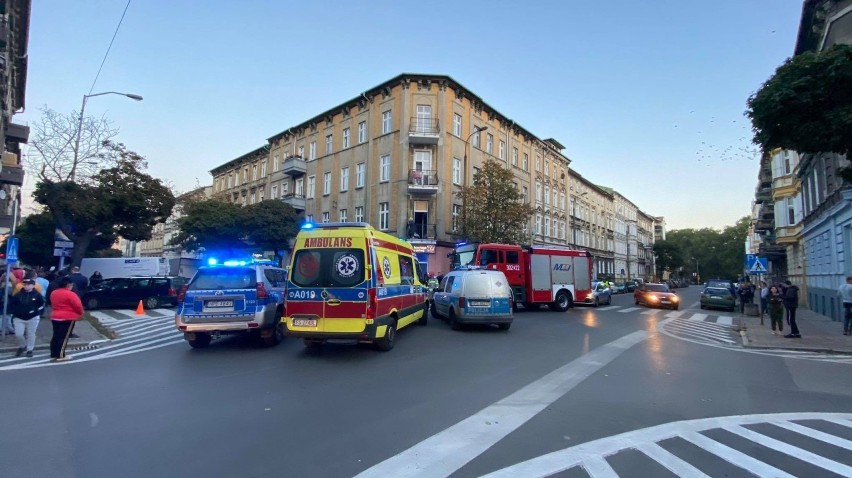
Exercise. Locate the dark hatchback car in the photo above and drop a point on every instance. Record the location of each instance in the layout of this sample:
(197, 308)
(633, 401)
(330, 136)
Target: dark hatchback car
(718, 298)
(126, 292)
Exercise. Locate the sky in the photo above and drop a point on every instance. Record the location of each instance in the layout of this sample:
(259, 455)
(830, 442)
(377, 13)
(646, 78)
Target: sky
(647, 97)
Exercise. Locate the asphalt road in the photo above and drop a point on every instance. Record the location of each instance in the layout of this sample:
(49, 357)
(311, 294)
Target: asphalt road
(548, 397)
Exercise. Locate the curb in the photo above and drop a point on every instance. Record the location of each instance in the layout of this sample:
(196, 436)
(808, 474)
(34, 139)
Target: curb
(71, 346)
(800, 349)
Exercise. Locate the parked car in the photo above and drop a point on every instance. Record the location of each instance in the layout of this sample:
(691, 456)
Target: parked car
(656, 295)
(718, 298)
(600, 294)
(619, 288)
(235, 297)
(629, 286)
(474, 297)
(126, 292)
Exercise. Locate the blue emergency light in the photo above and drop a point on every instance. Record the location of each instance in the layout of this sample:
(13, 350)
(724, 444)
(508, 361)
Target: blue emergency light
(307, 225)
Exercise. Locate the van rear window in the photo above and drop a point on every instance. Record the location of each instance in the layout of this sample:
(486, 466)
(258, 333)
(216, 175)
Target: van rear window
(221, 278)
(328, 268)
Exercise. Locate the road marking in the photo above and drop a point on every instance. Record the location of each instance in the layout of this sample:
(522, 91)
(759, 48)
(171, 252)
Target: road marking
(597, 467)
(651, 312)
(674, 314)
(630, 309)
(815, 434)
(611, 307)
(645, 441)
(791, 450)
(725, 320)
(698, 317)
(681, 328)
(447, 451)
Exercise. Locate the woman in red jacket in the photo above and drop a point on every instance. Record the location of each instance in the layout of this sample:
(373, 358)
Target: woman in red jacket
(66, 310)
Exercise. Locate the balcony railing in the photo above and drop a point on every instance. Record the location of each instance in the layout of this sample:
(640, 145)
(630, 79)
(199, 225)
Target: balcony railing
(422, 231)
(423, 130)
(297, 201)
(422, 182)
(294, 166)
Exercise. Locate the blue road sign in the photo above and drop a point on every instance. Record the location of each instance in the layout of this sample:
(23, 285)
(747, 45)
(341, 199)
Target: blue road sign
(749, 260)
(760, 266)
(12, 250)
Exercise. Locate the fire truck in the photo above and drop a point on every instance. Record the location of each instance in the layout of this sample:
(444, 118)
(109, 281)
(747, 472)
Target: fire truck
(537, 274)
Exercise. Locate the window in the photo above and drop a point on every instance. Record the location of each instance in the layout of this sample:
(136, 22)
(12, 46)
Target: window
(300, 187)
(359, 214)
(547, 195)
(302, 151)
(326, 183)
(253, 198)
(261, 194)
(457, 125)
(275, 164)
(274, 193)
(384, 216)
(384, 168)
(547, 168)
(362, 132)
(476, 136)
(489, 143)
(245, 175)
(285, 188)
(406, 270)
(501, 149)
(263, 169)
(791, 211)
(312, 152)
(386, 122)
(514, 156)
(344, 179)
(456, 216)
(525, 194)
(325, 217)
(537, 162)
(312, 184)
(538, 192)
(457, 166)
(787, 167)
(360, 169)
(244, 200)
(343, 215)
(346, 137)
(329, 143)
(538, 223)
(254, 172)
(231, 181)
(546, 226)
(309, 218)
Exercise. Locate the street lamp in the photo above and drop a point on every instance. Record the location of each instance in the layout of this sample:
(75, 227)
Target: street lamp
(80, 124)
(476, 130)
(697, 275)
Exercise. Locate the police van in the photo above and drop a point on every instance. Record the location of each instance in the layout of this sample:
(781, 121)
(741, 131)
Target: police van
(350, 282)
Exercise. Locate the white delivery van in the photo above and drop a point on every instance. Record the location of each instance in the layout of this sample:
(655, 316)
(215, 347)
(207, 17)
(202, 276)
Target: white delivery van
(125, 266)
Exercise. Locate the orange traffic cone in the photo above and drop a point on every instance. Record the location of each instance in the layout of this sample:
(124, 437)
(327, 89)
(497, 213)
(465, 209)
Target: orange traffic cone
(140, 310)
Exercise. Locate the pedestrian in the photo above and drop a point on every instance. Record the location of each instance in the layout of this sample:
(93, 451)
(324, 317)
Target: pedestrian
(845, 293)
(26, 310)
(791, 303)
(66, 309)
(764, 296)
(7, 286)
(79, 280)
(746, 295)
(42, 281)
(775, 306)
(95, 278)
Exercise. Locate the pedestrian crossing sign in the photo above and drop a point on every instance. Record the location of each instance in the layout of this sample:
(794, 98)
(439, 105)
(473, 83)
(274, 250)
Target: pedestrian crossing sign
(758, 267)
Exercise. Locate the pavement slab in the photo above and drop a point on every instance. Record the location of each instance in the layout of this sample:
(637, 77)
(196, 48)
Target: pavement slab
(819, 334)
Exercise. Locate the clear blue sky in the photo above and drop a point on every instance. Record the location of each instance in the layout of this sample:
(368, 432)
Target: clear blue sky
(647, 97)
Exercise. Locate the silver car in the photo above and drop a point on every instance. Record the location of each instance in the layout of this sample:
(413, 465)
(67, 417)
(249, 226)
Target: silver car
(600, 294)
(474, 297)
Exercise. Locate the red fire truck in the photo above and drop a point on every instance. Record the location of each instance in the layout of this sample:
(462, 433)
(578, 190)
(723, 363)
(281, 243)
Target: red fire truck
(537, 274)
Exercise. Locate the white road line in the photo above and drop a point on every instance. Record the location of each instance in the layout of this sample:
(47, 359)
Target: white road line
(674, 314)
(651, 312)
(611, 307)
(842, 422)
(791, 450)
(137, 346)
(670, 461)
(631, 309)
(815, 434)
(696, 333)
(163, 328)
(725, 320)
(146, 325)
(120, 353)
(597, 467)
(701, 327)
(447, 451)
(697, 317)
(734, 457)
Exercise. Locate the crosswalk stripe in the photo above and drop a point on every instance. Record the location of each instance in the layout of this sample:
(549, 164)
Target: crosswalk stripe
(734, 457)
(815, 434)
(725, 320)
(651, 312)
(706, 335)
(611, 307)
(143, 344)
(708, 326)
(164, 328)
(670, 461)
(630, 309)
(141, 326)
(841, 421)
(793, 451)
(686, 327)
(597, 467)
(698, 317)
(676, 314)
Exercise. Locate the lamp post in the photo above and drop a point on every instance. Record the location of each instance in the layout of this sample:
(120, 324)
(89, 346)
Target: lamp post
(697, 275)
(476, 130)
(80, 124)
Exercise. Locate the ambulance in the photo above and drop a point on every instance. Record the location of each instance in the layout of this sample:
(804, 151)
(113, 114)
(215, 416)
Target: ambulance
(350, 282)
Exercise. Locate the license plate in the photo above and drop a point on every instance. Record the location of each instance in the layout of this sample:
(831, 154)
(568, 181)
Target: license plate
(664, 301)
(219, 303)
(478, 310)
(480, 303)
(305, 322)
(715, 297)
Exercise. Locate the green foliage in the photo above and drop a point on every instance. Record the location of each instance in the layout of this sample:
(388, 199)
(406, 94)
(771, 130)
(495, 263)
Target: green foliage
(35, 240)
(806, 105)
(718, 253)
(492, 208)
(121, 200)
(669, 257)
(217, 224)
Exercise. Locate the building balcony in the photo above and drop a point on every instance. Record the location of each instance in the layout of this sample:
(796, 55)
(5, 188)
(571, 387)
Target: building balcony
(294, 166)
(763, 195)
(17, 133)
(422, 231)
(422, 182)
(764, 225)
(788, 234)
(296, 201)
(12, 175)
(423, 131)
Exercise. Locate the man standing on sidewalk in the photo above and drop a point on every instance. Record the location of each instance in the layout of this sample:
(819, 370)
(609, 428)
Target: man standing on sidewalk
(791, 303)
(845, 293)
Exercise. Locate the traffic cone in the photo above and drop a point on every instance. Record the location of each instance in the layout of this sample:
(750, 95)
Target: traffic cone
(140, 310)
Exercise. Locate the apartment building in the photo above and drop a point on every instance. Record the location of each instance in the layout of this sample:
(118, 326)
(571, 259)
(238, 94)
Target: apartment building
(645, 267)
(592, 221)
(395, 156)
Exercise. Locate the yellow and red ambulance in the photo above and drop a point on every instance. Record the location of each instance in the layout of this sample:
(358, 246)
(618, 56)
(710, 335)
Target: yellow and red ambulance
(350, 282)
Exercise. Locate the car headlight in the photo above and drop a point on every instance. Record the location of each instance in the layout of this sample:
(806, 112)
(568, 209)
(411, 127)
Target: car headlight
(675, 298)
(653, 298)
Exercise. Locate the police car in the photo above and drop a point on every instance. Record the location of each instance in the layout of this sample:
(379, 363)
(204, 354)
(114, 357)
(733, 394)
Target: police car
(232, 297)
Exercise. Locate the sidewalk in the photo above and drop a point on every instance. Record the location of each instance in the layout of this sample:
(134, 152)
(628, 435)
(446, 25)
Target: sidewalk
(86, 332)
(819, 334)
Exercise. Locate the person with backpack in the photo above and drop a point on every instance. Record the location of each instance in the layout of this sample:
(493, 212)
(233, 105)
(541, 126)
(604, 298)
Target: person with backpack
(27, 305)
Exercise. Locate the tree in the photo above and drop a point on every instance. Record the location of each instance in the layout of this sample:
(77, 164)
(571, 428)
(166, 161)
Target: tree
(716, 253)
(270, 225)
(214, 224)
(806, 105)
(52, 154)
(668, 257)
(492, 208)
(35, 240)
(118, 201)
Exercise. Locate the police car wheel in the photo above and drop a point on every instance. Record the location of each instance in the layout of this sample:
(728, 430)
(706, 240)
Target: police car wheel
(434, 311)
(275, 336)
(454, 324)
(199, 341)
(389, 340)
(504, 326)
